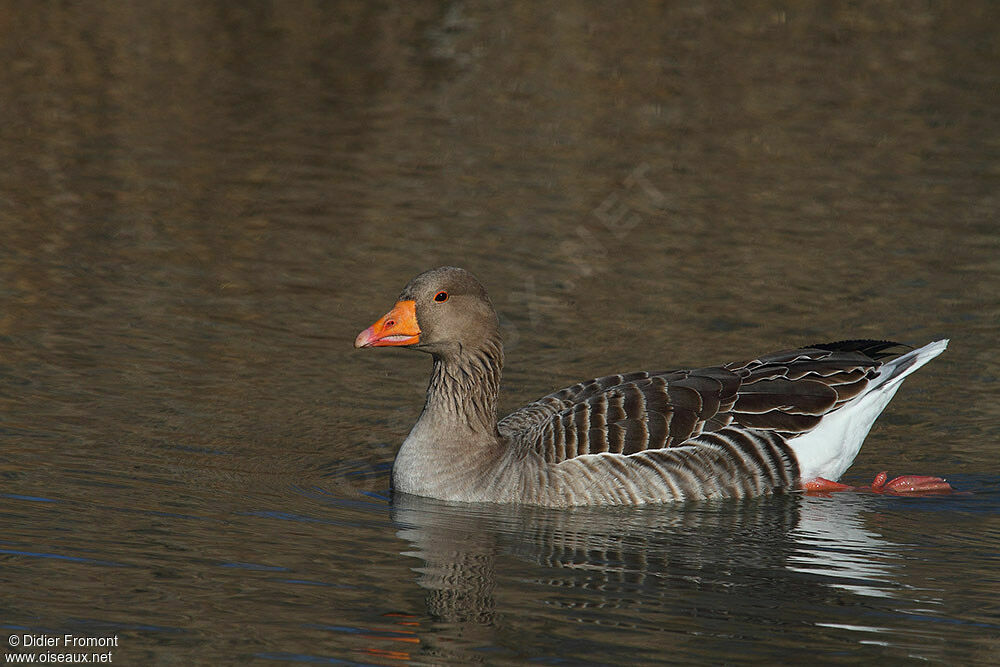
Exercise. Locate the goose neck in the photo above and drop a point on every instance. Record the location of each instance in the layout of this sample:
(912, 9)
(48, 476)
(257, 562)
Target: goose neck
(465, 387)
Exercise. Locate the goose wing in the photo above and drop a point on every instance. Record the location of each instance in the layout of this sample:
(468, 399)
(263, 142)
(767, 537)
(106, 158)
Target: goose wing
(785, 393)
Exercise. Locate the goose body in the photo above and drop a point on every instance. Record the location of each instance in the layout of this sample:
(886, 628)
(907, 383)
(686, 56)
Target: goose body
(772, 424)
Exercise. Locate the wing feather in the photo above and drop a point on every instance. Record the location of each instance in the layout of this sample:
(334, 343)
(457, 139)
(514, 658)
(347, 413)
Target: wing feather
(786, 393)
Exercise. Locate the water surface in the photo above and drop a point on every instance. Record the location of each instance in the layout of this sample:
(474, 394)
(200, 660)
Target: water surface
(201, 205)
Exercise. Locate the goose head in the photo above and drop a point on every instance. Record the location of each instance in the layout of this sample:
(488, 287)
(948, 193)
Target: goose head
(445, 312)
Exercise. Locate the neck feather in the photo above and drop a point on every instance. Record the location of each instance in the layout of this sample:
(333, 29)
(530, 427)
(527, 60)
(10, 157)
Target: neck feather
(454, 447)
(465, 386)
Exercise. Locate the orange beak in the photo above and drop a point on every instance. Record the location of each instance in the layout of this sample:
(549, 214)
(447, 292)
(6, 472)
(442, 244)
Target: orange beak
(397, 327)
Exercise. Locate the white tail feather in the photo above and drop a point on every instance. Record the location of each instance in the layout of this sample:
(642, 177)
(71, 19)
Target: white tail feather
(829, 449)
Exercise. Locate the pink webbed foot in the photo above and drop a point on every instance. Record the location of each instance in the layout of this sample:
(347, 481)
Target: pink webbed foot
(915, 484)
(822, 487)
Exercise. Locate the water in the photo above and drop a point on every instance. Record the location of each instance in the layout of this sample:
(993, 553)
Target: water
(202, 205)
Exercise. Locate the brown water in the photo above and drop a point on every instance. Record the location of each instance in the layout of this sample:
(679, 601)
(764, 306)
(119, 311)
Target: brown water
(201, 204)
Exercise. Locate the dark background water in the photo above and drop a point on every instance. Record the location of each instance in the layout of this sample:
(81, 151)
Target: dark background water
(201, 204)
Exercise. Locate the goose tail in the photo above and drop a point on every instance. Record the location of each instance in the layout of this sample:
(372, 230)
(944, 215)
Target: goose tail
(829, 449)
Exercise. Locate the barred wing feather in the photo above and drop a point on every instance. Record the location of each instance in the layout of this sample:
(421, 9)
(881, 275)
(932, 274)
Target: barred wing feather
(787, 392)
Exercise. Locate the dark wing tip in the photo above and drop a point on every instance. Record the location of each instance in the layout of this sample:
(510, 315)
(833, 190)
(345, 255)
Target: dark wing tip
(874, 349)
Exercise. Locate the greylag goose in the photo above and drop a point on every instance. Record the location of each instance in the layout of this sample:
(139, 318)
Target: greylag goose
(782, 422)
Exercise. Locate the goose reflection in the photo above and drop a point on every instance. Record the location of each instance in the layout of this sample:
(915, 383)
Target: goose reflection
(703, 559)
(832, 541)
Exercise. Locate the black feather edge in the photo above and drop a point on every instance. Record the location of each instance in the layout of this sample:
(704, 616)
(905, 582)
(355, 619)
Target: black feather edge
(873, 349)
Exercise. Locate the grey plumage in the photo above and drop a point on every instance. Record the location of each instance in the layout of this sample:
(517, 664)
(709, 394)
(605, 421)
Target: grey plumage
(708, 432)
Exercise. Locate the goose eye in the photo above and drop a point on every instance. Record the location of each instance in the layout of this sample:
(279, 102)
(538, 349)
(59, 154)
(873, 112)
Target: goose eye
(441, 296)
